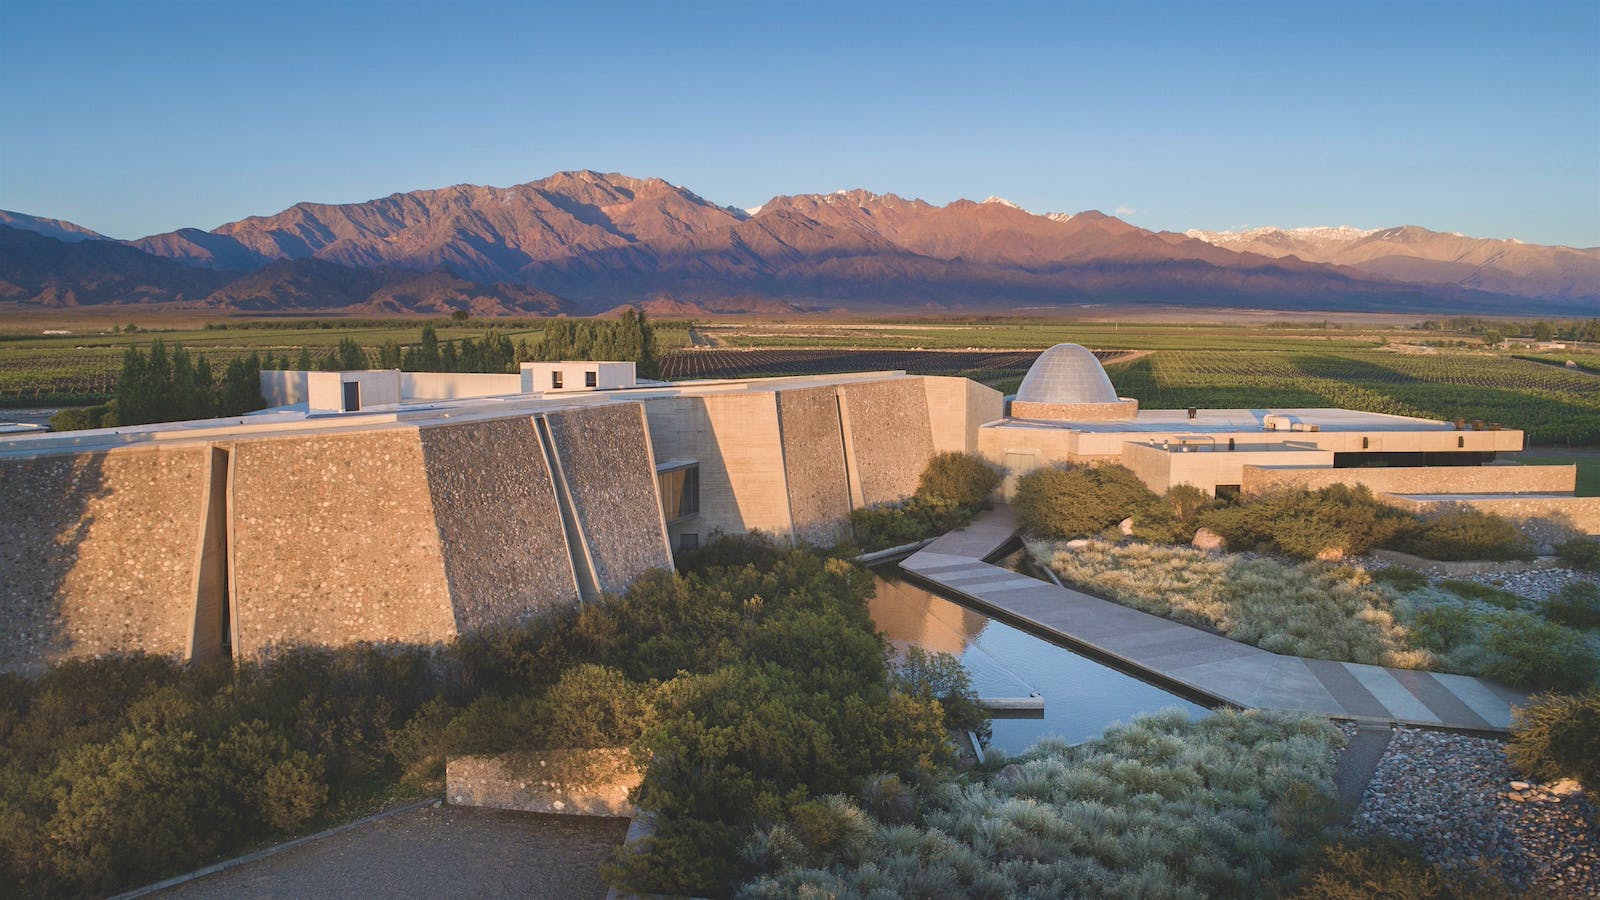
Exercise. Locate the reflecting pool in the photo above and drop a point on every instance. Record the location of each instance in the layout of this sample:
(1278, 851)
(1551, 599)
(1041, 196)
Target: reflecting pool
(1081, 696)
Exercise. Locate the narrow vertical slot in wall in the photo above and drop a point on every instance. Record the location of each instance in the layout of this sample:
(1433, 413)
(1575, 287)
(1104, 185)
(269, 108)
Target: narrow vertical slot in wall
(209, 636)
(577, 547)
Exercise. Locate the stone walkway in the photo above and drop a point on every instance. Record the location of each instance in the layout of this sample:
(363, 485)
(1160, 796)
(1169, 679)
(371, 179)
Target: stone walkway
(1201, 662)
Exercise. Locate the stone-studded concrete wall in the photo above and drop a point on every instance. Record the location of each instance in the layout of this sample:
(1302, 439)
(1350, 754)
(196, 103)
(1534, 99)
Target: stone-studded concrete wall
(97, 554)
(1421, 479)
(813, 464)
(888, 436)
(605, 457)
(500, 533)
(334, 542)
(1075, 412)
(735, 437)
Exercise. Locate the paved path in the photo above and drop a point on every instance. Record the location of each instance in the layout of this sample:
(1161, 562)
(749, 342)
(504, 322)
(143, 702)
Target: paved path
(1201, 662)
(449, 851)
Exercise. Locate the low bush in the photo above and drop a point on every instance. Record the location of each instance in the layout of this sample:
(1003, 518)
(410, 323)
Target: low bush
(1484, 593)
(1303, 523)
(1163, 806)
(78, 418)
(1535, 655)
(1385, 868)
(1071, 501)
(959, 479)
(1558, 737)
(1306, 610)
(1580, 553)
(1576, 605)
(1464, 533)
(1400, 578)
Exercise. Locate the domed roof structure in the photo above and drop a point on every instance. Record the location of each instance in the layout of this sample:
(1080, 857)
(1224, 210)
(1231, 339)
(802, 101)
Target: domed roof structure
(1066, 374)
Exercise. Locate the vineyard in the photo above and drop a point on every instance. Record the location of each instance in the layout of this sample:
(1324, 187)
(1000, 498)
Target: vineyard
(979, 365)
(1554, 406)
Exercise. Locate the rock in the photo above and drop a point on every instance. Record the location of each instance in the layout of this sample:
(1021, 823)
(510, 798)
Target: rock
(1519, 785)
(1566, 787)
(1331, 554)
(1126, 527)
(1077, 543)
(1208, 540)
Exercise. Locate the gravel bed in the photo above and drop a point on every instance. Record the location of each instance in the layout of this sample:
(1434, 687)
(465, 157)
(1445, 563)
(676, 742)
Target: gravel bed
(1535, 584)
(1461, 803)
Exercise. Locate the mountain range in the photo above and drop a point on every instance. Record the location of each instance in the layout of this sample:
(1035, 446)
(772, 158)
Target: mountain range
(585, 242)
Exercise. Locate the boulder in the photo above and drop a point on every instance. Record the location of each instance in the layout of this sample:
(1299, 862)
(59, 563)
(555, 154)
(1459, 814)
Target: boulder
(1126, 527)
(1208, 540)
(1331, 554)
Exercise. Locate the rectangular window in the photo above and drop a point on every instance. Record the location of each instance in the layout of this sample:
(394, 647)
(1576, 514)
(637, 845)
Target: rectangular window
(591, 379)
(680, 492)
(352, 396)
(688, 542)
(555, 380)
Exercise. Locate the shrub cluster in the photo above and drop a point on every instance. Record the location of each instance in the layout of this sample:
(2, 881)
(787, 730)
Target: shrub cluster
(1072, 501)
(1576, 605)
(1580, 553)
(951, 490)
(1304, 523)
(1463, 533)
(1373, 867)
(1559, 737)
(749, 688)
(1163, 807)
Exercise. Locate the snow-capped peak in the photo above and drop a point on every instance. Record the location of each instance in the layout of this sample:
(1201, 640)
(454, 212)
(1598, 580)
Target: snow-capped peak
(1335, 233)
(1059, 217)
(1000, 200)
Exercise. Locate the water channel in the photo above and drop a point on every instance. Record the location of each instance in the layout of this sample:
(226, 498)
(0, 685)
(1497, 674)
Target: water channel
(1082, 696)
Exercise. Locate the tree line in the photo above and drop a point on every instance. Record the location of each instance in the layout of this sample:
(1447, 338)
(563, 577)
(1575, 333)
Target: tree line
(170, 385)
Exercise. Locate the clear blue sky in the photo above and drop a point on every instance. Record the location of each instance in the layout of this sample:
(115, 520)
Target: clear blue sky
(138, 117)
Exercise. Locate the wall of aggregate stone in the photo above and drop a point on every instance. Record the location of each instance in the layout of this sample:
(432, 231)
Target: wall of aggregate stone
(334, 542)
(889, 436)
(1420, 479)
(500, 534)
(605, 456)
(814, 465)
(98, 553)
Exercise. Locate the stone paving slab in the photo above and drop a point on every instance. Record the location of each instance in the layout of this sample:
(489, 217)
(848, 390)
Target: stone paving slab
(1210, 664)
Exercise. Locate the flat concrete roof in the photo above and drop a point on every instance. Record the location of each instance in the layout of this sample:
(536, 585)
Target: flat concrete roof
(1228, 421)
(296, 421)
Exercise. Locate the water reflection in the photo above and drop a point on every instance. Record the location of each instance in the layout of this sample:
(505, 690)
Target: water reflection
(1082, 697)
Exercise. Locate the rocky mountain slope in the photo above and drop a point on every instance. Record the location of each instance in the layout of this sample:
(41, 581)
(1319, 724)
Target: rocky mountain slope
(589, 242)
(1413, 254)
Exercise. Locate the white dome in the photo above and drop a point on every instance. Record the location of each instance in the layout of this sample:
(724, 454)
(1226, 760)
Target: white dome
(1066, 373)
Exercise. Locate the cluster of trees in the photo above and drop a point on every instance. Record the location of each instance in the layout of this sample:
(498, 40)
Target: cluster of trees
(630, 337)
(750, 685)
(1538, 330)
(164, 385)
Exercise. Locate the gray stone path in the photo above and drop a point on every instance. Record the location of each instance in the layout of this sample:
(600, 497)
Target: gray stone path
(1199, 661)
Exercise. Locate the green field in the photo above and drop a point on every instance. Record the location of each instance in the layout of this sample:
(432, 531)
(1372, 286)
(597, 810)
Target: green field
(1039, 335)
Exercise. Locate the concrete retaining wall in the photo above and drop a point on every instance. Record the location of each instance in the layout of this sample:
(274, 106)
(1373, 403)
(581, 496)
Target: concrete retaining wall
(1419, 479)
(1546, 520)
(605, 457)
(500, 533)
(98, 554)
(334, 542)
(956, 407)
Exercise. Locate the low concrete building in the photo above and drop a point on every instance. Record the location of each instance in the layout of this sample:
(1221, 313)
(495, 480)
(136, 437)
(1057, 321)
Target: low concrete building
(393, 506)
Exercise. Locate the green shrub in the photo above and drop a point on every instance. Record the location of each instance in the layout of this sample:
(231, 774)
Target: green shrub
(77, 418)
(1558, 737)
(1071, 501)
(1173, 517)
(1580, 553)
(1464, 533)
(1400, 578)
(1540, 656)
(1576, 605)
(1391, 870)
(1304, 523)
(959, 479)
(1483, 593)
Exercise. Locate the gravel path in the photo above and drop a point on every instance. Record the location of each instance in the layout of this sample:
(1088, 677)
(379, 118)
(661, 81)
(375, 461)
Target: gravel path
(1535, 584)
(1454, 797)
(446, 851)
